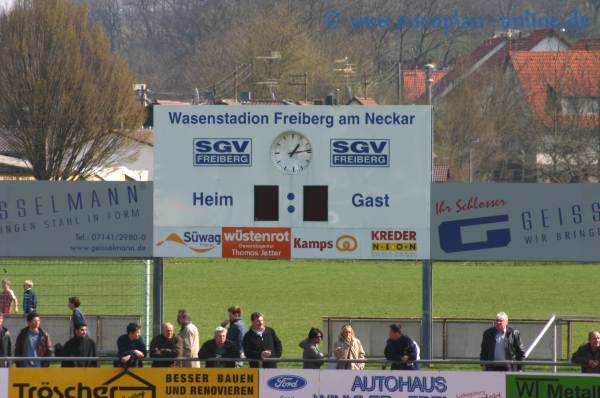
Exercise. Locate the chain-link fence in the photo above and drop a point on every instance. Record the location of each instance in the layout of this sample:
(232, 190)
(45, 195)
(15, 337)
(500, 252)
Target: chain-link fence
(104, 286)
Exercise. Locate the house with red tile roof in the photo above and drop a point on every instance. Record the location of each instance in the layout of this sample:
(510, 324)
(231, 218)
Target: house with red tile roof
(588, 44)
(561, 88)
(495, 52)
(562, 93)
(554, 85)
(413, 84)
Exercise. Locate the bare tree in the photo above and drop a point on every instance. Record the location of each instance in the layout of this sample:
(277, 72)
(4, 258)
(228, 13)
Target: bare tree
(65, 99)
(482, 130)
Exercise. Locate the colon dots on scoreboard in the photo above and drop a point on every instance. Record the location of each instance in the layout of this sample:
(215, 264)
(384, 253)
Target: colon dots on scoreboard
(314, 203)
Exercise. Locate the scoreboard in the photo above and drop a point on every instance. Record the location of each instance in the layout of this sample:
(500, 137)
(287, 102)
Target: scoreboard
(292, 181)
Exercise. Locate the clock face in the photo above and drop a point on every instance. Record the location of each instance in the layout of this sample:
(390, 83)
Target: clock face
(291, 152)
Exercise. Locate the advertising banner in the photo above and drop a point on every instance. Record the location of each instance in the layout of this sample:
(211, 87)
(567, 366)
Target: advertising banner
(328, 243)
(552, 386)
(75, 219)
(555, 222)
(289, 383)
(3, 382)
(256, 242)
(183, 242)
(121, 383)
(294, 167)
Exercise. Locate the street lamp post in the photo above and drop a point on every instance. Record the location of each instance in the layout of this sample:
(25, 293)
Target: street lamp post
(429, 68)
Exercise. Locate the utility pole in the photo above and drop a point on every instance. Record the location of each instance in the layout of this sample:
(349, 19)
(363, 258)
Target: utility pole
(365, 84)
(347, 70)
(304, 82)
(399, 84)
(235, 84)
(270, 82)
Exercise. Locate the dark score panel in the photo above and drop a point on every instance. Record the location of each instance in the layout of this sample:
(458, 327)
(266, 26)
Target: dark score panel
(266, 203)
(316, 203)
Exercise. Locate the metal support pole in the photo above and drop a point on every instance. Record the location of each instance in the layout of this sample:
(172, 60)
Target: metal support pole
(427, 320)
(147, 304)
(427, 288)
(554, 354)
(470, 164)
(157, 307)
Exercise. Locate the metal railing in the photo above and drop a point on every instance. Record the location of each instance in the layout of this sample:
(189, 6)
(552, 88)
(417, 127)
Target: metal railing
(453, 337)
(379, 361)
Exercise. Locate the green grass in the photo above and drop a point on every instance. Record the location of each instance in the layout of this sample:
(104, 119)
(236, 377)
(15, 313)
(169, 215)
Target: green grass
(111, 286)
(294, 295)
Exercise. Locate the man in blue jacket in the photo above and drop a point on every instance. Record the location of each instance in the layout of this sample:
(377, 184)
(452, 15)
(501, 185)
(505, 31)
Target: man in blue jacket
(400, 349)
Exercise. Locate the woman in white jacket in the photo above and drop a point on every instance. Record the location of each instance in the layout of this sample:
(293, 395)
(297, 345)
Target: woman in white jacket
(349, 347)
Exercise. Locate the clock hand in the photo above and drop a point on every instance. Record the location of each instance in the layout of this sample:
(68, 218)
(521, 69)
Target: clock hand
(294, 150)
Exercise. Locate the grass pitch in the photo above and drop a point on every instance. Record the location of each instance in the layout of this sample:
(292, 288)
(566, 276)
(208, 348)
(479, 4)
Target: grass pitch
(294, 295)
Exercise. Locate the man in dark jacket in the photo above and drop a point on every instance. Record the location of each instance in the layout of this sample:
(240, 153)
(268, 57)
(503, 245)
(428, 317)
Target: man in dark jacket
(79, 346)
(131, 347)
(261, 342)
(32, 341)
(501, 343)
(219, 347)
(166, 345)
(5, 343)
(588, 355)
(236, 330)
(400, 349)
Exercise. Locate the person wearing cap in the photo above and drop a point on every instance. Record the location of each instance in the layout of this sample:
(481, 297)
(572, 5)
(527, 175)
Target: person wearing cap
(400, 349)
(310, 345)
(219, 347)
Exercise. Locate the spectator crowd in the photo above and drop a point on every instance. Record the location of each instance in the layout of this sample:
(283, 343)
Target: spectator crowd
(231, 344)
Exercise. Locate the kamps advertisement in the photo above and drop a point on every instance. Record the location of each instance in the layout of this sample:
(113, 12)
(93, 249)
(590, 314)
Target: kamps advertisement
(557, 222)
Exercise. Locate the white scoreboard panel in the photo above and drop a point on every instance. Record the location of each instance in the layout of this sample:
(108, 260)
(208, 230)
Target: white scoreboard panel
(292, 181)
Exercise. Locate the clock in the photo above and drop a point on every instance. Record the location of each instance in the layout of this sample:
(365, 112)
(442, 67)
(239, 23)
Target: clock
(291, 152)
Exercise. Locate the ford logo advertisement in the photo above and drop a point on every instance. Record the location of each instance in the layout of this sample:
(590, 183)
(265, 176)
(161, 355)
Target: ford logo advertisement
(286, 383)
